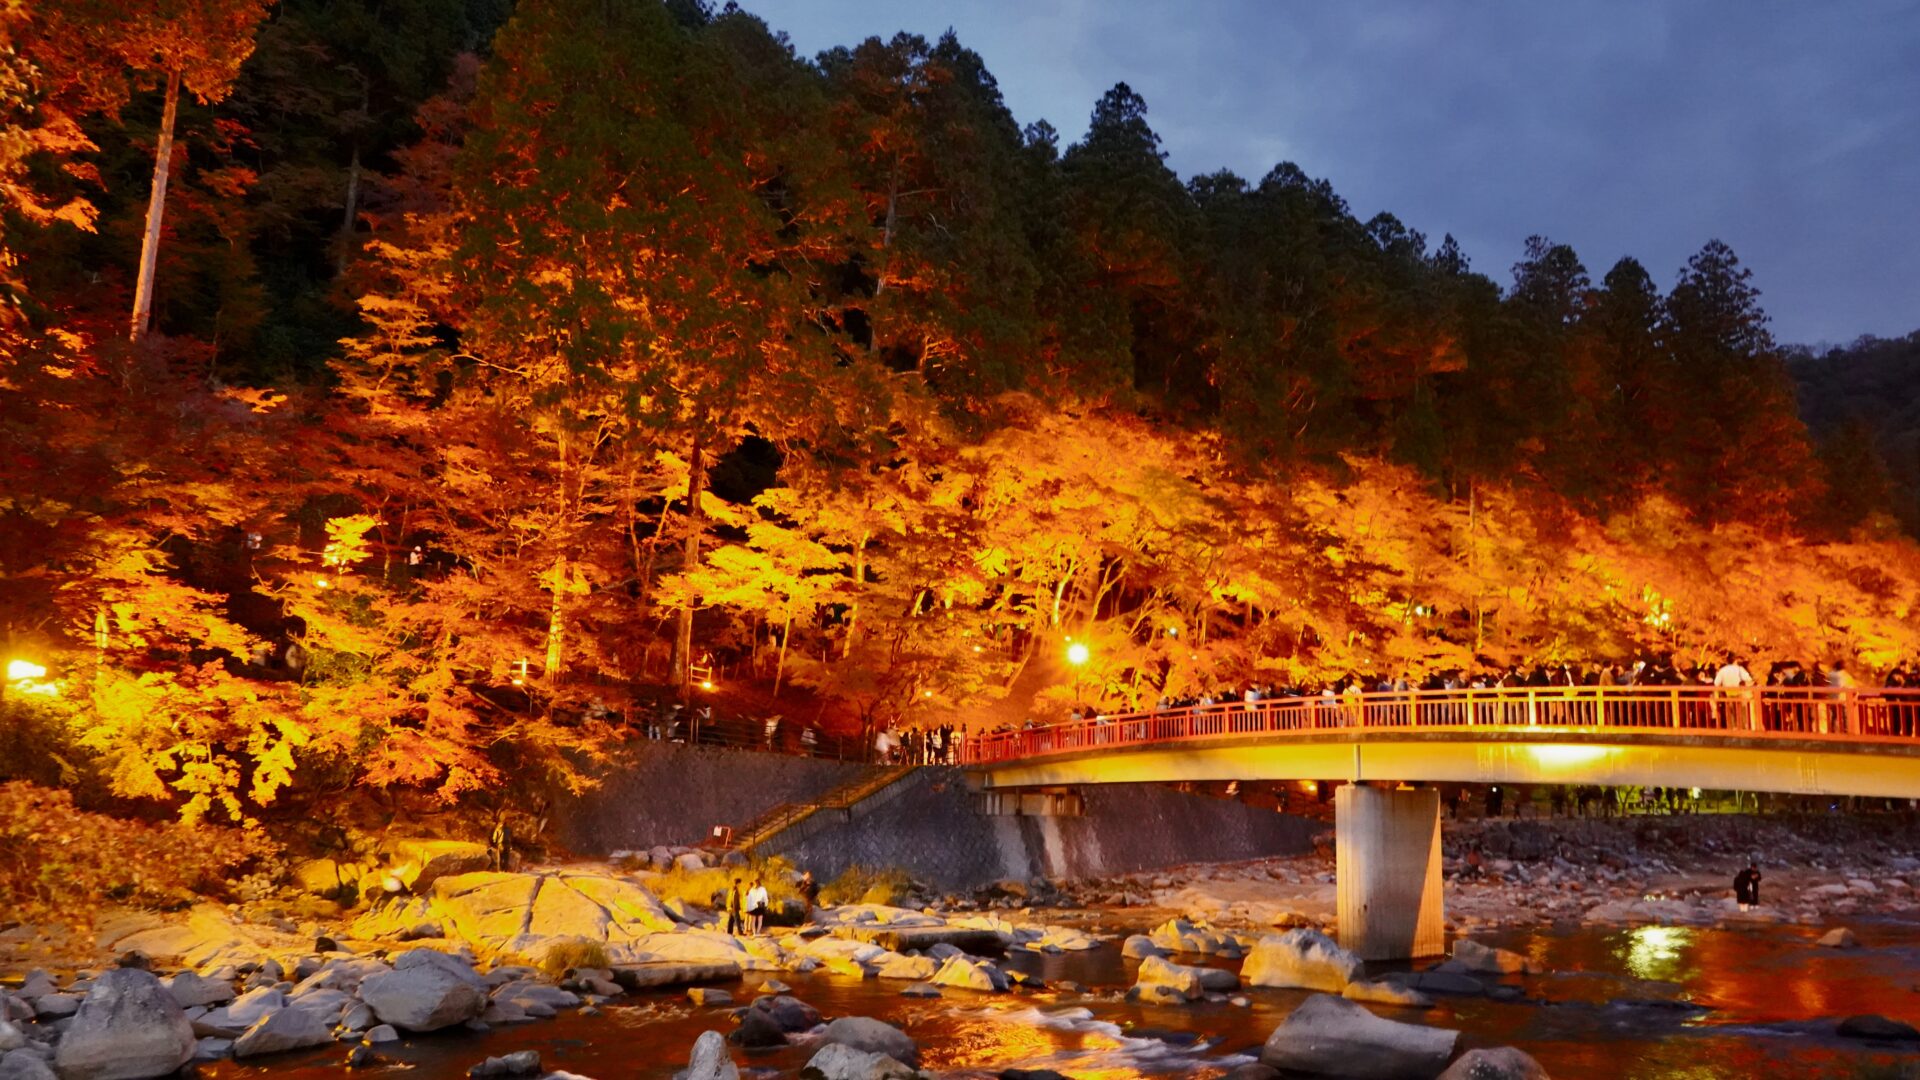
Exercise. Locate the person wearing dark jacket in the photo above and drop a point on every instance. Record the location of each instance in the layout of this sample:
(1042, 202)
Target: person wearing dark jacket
(1746, 887)
(736, 910)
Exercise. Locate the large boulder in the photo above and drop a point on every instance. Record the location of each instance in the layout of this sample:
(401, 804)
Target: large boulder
(189, 990)
(907, 968)
(230, 1020)
(128, 1028)
(338, 975)
(1386, 993)
(1162, 980)
(1180, 935)
(439, 961)
(757, 1030)
(710, 1060)
(1487, 960)
(420, 863)
(1300, 959)
(874, 1037)
(1500, 1063)
(423, 998)
(855, 958)
(25, 1065)
(288, 1029)
(789, 1014)
(968, 975)
(1330, 1036)
(837, 1061)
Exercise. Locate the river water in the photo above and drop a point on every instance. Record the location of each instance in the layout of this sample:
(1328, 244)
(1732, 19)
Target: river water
(1650, 1003)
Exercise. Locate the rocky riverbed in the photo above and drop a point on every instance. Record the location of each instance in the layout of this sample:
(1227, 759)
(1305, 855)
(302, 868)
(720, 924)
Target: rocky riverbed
(1622, 872)
(476, 952)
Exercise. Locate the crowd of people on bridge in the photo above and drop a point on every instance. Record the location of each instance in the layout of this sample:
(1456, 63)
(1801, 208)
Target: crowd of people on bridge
(1662, 670)
(1717, 697)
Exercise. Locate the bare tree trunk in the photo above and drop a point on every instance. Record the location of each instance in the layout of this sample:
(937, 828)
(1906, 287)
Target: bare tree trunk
(780, 665)
(683, 635)
(156, 206)
(557, 623)
(859, 578)
(353, 209)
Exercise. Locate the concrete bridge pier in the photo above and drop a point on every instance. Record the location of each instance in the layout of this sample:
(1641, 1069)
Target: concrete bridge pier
(1387, 872)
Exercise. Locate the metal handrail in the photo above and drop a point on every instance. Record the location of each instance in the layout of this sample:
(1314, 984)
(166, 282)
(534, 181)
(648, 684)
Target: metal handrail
(1819, 713)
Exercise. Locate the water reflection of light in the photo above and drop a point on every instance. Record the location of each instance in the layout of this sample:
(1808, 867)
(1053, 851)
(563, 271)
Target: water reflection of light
(1654, 952)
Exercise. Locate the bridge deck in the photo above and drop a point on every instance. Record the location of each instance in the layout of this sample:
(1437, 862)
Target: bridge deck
(1809, 740)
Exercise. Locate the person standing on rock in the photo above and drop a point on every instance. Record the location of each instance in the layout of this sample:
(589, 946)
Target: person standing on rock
(500, 846)
(1746, 887)
(757, 900)
(809, 892)
(735, 922)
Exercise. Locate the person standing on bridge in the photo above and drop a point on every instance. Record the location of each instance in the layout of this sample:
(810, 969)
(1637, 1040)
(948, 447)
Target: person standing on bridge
(1733, 682)
(1746, 886)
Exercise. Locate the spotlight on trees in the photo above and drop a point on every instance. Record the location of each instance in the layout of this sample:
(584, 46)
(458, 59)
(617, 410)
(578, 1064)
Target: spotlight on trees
(1077, 653)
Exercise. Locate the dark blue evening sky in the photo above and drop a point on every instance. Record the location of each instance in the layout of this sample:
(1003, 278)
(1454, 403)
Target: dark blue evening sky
(1789, 130)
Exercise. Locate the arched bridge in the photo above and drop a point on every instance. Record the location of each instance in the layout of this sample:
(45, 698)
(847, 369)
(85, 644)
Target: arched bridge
(1390, 901)
(1805, 740)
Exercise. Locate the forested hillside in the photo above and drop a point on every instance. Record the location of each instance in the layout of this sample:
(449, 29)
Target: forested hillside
(504, 364)
(1863, 403)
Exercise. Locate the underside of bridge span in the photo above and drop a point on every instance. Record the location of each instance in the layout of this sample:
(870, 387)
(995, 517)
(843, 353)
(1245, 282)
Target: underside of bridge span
(1771, 763)
(1390, 904)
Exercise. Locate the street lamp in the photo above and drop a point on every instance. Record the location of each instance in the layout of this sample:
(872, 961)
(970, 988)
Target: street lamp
(22, 676)
(1077, 655)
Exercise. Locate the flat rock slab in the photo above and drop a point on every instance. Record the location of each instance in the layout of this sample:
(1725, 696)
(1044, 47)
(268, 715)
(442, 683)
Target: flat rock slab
(909, 938)
(651, 976)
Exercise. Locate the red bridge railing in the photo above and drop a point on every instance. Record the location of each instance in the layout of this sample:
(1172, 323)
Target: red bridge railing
(1815, 713)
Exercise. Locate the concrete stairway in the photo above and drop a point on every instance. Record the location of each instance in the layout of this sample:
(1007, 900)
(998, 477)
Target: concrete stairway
(787, 817)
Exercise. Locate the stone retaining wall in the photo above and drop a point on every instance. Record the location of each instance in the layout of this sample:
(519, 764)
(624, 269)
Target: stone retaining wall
(928, 824)
(666, 793)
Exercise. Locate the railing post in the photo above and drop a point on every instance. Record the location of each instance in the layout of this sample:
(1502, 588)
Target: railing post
(1673, 696)
(1755, 716)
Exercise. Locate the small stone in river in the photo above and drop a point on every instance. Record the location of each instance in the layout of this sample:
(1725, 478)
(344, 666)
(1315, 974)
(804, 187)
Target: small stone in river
(1838, 938)
(774, 986)
(383, 1033)
(1500, 1063)
(361, 1057)
(1870, 1026)
(921, 990)
(518, 1063)
(701, 995)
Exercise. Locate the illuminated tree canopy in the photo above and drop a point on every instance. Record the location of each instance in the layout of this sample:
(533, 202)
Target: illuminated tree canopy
(526, 356)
